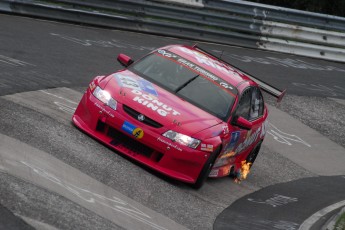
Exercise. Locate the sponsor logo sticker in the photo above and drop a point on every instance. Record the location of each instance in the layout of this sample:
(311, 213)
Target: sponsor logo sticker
(153, 103)
(235, 136)
(207, 147)
(251, 138)
(214, 173)
(225, 129)
(228, 150)
(127, 81)
(202, 60)
(135, 84)
(169, 144)
(92, 86)
(147, 87)
(133, 130)
(229, 154)
(104, 110)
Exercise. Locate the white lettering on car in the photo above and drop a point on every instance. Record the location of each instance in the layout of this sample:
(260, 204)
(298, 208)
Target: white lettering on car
(225, 85)
(104, 110)
(166, 54)
(169, 144)
(261, 131)
(203, 59)
(248, 141)
(152, 103)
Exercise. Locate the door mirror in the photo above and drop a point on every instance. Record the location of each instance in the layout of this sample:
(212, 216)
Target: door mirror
(243, 123)
(124, 60)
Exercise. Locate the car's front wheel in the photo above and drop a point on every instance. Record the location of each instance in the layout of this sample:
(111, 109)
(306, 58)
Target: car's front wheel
(206, 169)
(253, 154)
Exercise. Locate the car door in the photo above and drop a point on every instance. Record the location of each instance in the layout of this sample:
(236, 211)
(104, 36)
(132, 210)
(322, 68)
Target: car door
(238, 140)
(250, 107)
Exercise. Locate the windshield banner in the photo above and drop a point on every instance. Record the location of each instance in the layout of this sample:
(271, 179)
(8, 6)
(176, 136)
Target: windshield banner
(202, 72)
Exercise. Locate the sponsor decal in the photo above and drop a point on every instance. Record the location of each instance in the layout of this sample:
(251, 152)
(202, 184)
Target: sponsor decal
(207, 147)
(147, 87)
(133, 130)
(153, 103)
(225, 129)
(127, 81)
(248, 141)
(264, 128)
(229, 154)
(169, 143)
(104, 110)
(167, 54)
(228, 150)
(203, 59)
(235, 136)
(199, 70)
(92, 86)
(214, 173)
(135, 84)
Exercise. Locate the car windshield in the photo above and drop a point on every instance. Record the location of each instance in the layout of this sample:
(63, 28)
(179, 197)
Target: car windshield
(186, 83)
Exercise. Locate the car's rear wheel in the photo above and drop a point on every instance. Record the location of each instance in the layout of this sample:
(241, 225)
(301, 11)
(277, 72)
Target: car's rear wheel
(206, 169)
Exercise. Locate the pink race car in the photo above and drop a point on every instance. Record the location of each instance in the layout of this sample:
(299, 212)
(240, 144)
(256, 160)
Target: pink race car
(181, 111)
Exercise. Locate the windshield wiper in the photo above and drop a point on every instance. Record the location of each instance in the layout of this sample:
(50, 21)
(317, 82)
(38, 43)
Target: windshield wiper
(185, 84)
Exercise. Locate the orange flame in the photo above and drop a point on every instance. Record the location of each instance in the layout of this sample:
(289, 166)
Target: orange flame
(245, 169)
(243, 172)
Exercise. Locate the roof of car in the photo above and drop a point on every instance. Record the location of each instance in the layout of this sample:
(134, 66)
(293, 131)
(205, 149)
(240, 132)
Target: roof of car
(210, 63)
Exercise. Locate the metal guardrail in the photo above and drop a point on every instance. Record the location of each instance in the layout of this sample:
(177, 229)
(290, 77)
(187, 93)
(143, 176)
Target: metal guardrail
(227, 22)
(278, 14)
(142, 16)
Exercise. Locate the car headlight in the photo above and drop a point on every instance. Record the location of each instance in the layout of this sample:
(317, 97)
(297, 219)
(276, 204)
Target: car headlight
(105, 97)
(182, 139)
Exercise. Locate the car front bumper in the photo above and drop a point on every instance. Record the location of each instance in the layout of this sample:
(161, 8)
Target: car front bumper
(153, 149)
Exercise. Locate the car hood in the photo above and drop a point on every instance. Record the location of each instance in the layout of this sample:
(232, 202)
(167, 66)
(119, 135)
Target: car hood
(158, 104)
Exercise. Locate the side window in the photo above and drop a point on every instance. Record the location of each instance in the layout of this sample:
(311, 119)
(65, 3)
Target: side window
(251, 104)
(243, 108)
(257, 104)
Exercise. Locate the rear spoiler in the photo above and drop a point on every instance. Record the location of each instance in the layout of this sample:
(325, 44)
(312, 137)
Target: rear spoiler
(279, 94)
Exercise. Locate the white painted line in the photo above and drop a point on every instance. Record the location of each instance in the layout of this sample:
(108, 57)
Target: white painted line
(339, 101)
(57, 103)
(57, 96)
(44, 170)
(310, 150)
(284, 138)
(38, 225)
(316, 216)
(64, 107)
(14, 62)
(195, 3)
(275, 201)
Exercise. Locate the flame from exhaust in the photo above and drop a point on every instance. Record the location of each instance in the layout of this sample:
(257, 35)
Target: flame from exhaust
(243, 172)
(245, 169)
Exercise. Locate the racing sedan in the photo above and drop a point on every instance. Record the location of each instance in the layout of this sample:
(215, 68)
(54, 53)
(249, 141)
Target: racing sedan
(181, 111)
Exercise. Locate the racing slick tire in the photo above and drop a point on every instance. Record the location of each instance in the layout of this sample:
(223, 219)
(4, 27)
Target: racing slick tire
(206, 169)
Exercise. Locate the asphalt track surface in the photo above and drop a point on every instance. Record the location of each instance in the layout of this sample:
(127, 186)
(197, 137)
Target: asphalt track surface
(55, 177)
